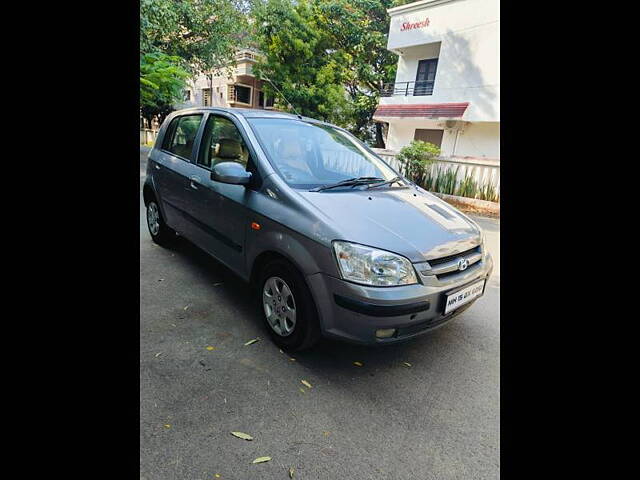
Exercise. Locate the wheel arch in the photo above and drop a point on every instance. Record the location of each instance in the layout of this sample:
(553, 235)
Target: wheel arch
(148, 192)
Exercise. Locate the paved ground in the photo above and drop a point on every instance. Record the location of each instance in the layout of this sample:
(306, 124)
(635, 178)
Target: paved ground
(438, 419)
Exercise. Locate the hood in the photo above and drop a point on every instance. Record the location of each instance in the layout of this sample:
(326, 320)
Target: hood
(407, 221)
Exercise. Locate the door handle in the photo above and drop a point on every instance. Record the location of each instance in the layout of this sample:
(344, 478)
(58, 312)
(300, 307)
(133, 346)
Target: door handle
(194, 182)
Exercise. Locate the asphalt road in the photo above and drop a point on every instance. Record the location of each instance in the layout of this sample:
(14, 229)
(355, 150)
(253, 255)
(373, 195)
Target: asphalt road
(438, 419)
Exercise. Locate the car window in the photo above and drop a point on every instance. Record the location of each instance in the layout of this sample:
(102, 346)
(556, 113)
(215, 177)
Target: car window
(181, 135)
(308, 155)
(221, 142)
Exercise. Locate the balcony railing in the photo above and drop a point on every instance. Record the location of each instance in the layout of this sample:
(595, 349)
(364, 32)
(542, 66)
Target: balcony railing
(407, 88)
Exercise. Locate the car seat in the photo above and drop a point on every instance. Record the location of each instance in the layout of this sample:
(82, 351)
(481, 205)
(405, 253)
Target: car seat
(227, 150)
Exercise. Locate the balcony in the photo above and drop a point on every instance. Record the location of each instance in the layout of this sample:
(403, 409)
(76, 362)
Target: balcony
(407, 89)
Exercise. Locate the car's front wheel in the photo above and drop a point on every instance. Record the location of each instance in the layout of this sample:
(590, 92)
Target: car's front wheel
(158, 229)
(288, 307)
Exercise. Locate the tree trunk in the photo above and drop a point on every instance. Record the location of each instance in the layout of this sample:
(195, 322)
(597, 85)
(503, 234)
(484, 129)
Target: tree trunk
(379, 137)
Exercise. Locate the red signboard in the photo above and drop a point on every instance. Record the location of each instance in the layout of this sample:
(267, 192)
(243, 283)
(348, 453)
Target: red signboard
(410, 26)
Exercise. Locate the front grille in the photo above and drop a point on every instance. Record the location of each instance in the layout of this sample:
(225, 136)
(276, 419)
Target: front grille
(447, 267)
(444, 276)
(438, 261)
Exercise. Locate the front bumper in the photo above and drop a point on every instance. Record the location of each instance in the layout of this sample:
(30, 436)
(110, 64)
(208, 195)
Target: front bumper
(354, 312)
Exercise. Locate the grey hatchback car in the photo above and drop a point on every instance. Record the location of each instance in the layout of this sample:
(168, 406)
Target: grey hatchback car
(332, 241)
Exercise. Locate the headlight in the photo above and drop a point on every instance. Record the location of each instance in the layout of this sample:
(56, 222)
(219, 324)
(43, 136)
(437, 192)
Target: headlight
(370, 266)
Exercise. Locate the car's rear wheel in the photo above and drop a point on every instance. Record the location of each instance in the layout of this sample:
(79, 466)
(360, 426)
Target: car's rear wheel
(158, 229)
(288, 307)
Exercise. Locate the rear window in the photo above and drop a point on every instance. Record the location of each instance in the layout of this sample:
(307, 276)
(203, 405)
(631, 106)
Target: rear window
(181, 134)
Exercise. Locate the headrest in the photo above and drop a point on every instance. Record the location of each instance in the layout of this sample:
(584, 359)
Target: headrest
(289, 148)
(228, 148)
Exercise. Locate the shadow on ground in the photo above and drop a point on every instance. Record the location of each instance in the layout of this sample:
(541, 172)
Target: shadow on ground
(330, 357)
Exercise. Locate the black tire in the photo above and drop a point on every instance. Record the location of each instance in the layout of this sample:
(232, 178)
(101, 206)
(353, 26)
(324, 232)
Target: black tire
(161, 233)
(306, 331)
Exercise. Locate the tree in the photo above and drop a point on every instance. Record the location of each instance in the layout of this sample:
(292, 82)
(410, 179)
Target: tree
(299, 61)
(203, 33)
(162, 82)
(181, 38)
(358, 30)
(328, 57)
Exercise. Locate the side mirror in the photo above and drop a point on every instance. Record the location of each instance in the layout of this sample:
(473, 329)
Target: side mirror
(230, 172)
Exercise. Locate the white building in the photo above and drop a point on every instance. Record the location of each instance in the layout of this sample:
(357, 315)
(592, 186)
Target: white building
(447, 88)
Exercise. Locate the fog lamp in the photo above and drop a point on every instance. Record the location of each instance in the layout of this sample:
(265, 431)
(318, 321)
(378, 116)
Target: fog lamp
(385, 332)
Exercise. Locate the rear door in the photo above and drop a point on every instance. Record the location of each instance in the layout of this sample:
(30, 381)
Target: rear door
(172, 167)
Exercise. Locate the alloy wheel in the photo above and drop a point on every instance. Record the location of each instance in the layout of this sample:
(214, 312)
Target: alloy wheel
(279, 306)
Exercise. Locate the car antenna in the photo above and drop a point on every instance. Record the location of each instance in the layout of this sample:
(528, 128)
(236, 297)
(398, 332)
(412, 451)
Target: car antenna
(285, 98)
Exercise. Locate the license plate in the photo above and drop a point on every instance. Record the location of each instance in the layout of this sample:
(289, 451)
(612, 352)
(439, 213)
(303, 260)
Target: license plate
(463, 296)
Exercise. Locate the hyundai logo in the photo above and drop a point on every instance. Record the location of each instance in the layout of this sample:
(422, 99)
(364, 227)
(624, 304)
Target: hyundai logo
(463, 263)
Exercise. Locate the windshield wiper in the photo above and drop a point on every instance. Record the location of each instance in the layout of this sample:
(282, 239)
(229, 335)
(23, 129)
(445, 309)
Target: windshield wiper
(387, 182)
(351, 182)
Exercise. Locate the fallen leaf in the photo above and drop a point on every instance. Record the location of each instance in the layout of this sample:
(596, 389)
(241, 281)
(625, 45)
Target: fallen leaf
(186, 307)
(358, 364)
(305, 383)
(158, 354)
(167, 426)
(292, 359)
(211, 348)
(406, 364)
(261, 459)
(217, 475)
(251, 341)
(244, 436)
(326, 434)
(291, 472)
(302, 390)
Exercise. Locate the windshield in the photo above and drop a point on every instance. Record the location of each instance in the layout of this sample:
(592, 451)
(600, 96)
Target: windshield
(310, 155)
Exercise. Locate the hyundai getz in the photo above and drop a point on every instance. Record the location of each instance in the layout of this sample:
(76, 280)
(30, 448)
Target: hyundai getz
(334, 241)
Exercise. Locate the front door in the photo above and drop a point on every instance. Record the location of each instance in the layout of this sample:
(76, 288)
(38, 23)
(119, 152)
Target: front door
(426, 76)
(219, 216)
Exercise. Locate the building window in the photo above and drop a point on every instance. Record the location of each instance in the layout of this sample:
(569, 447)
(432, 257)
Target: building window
(187, 95)
(243, 94)
(426, 76)
(265, 101)
(430, 136)
(206, 97)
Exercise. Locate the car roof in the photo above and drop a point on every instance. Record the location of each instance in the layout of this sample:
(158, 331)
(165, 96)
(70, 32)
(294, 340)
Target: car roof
(250, 113)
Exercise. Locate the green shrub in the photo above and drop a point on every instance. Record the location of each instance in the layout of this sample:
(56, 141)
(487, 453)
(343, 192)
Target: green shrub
(417, 158)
